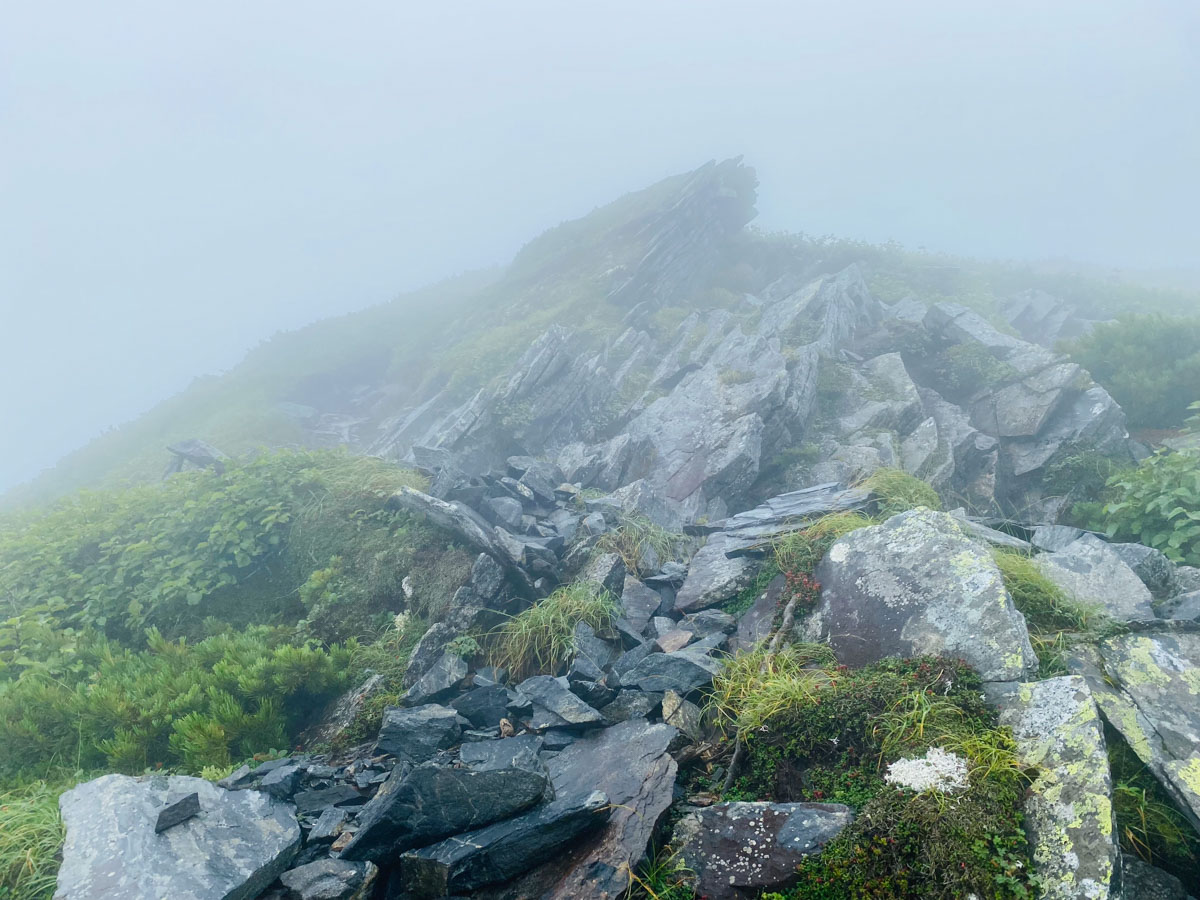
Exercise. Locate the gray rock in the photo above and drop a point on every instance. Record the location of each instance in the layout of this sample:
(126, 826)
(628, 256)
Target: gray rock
(1151, 566)
(442, 680)
(628, 763)
(594, 524)
(990, 536)
(1187, 579)
(341, 714)
(550, 695)
(683, 715)
(232, 850)
(708, 621)
(594, 647)
(317, 800)
(631, 705)
(501, 851)
(428, 651)
(431, 802)
(1068, 807)
(1053, 538)
(754, 625)
(1141, 881)
(283, 782)
(177, 812)
(519, 752)
(639, 603)
(329, 879)
(483, 706)
(606, 570)
(1147, 686)
(737, 850)
(417, 734)
(1093, 573)
(714, 577)
(960, 325)
(1186, 606)
(1023, 409)
(505, 512)
(756, 528)
(917, 585)
(328, 826)
(683, 671)
(195, 454)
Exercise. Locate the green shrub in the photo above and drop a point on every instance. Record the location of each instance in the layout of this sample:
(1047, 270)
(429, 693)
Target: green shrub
(897, 491)
(31, 837)
(541, 640)
(1149, 363)
(1158, 504)
(823, 734)
(174, 704)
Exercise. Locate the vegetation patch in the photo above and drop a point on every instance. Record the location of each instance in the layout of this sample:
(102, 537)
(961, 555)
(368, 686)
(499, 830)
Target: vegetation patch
(897, 491)
(1149, 363)
(1148, 823)
(541, 640)
(1158, 504)
(640, 542)
(815, 732)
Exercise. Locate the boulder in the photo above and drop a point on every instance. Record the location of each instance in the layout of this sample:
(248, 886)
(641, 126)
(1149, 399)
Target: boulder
(629, 764)
(232, 850)
(683, 671)
(734, 851)
(1142, 881)
(329, 879)
(1068, 808)
(754, 625)
(502, 851)
(519, 752)
(713, 576)
(554, 704)
(442, 680)
(483, 706)
(639, 603)
(417, 734)
(607, 571)
(431, 802)
(1147, 686)
(1052, 538)
(918, 585)
(630, 705)
(1151, 566)
(1093, 573)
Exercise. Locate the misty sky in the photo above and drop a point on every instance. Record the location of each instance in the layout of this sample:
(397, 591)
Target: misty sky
(178, 181)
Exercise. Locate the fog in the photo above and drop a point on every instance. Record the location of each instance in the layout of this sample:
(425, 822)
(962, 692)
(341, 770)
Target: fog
(179, 181)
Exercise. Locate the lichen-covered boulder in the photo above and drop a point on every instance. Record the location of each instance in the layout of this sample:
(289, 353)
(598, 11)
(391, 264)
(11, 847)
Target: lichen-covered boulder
(1068, 809)
(1148, 688)
(738, 850)
(237, 845)
(918, 585)
(1093, 573)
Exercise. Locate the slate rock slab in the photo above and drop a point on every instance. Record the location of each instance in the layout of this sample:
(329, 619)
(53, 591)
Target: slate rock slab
(329, 879)
(683, 671)
(552, 695)
(918, 585)
(432, 802)
(630, 765)
(738, 850)
(1152, 566)
(1068, 807)
(519, 752)
(232, 849)
(1093, 573)
(714, 577)
(417, 734)
(177, 812)
(501, 851)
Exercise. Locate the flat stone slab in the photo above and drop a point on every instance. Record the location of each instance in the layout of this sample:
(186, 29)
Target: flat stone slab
(236, 845)
(738, 850)
(1068, 808)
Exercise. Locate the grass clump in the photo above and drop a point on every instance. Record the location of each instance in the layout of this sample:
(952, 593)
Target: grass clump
(31, 837)
(820, 733)
(1148, 823)
(639, 542)
(897, 491)
(541, 640)
(1056, 621)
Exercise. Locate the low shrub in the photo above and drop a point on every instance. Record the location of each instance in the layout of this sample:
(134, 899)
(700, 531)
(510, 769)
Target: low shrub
(541, 640)
(1158, 504)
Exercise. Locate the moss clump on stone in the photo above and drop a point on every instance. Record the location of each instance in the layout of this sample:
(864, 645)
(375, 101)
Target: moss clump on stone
(829, 734)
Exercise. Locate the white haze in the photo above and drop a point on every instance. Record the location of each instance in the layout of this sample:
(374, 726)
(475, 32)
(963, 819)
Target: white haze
(178, 181)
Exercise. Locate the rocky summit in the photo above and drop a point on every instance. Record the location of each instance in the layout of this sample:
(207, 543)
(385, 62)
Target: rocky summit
(654, 570)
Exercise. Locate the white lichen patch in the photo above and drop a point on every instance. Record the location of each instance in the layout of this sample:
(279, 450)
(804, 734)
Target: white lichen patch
(940, 770)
